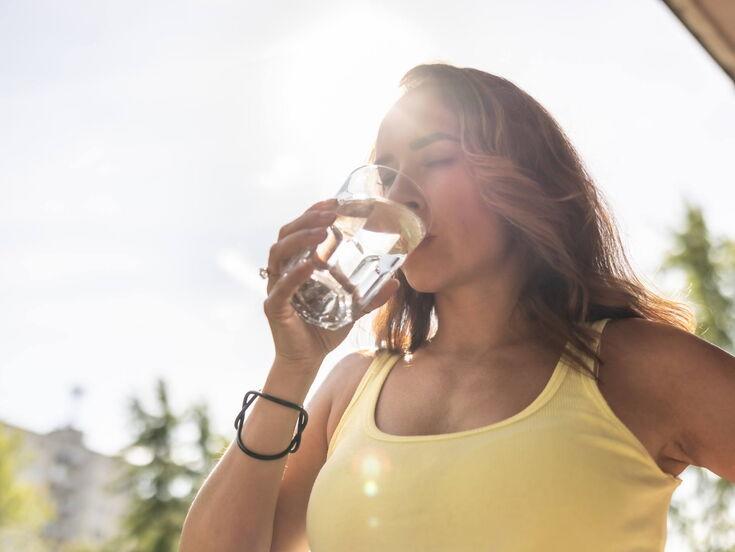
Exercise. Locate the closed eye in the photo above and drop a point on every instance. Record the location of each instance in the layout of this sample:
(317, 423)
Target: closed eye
(438, 162)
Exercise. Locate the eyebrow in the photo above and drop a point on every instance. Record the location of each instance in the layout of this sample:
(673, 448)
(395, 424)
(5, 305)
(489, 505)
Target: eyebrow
(421, 143)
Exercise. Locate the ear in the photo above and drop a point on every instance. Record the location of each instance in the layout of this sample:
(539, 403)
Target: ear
(390, 287)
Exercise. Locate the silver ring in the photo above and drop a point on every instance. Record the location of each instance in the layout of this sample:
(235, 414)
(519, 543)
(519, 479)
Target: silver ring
(265, 273)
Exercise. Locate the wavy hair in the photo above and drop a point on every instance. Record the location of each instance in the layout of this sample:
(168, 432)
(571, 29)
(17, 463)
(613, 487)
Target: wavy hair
(531, 176)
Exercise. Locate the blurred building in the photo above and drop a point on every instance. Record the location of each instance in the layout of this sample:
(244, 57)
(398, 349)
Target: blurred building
(80, 483)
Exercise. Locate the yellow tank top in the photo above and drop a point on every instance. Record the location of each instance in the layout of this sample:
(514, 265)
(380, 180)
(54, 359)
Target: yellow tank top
(563, 474)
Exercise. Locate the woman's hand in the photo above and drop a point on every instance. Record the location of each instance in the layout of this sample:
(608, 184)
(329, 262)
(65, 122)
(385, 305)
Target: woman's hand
(296, 341)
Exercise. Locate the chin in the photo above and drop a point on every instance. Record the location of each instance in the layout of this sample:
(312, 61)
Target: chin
(423, 281)
(421, 270)
(427, 289)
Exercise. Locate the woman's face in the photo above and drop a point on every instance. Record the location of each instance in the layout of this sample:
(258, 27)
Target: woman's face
(466, 240)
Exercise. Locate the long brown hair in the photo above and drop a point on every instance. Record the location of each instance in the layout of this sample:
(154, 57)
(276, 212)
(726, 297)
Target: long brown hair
(529, 173)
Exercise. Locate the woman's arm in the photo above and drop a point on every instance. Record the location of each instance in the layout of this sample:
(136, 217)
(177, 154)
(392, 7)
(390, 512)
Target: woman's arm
(235, 508)
(694, 381)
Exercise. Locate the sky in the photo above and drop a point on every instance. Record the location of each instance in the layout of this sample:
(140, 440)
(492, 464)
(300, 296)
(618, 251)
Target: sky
(150, 151)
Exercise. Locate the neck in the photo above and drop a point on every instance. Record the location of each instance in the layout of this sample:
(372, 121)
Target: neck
(480, 318)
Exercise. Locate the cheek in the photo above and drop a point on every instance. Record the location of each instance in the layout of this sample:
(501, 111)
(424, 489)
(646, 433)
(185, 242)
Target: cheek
(465, 217)
(469, 234)
(475, 232)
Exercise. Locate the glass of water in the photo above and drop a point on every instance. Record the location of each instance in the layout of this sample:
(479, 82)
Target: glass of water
(382, 215)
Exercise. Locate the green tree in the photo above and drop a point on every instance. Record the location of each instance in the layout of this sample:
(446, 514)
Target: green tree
(163, 484)
(709, 267)
(24, 508)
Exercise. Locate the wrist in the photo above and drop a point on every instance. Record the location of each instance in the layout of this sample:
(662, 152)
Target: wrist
(290, 381)
(297, 366)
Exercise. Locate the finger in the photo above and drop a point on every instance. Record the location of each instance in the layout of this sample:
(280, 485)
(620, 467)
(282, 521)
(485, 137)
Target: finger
(278, 304)
(323, 204)
(312, 217)
(390, 287)
(285, 249)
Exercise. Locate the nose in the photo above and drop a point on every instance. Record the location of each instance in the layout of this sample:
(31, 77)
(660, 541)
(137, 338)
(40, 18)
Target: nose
(408, 193)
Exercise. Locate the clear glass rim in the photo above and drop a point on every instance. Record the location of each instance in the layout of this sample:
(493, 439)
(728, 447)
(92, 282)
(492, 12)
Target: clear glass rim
(366, 165)
(344, 195)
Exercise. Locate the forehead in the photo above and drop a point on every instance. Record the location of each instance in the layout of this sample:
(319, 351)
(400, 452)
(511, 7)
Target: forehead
(416, 113)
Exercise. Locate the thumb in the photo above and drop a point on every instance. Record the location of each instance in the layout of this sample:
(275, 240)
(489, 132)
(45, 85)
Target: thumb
(390, 287)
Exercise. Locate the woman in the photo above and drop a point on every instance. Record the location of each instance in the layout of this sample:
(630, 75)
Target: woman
(494, 414)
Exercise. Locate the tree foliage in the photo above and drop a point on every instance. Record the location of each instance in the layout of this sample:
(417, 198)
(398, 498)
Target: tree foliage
(165, 472)
(24, 508)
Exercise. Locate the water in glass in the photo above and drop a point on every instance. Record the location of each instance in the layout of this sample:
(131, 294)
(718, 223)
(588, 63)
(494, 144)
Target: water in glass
(366, 244)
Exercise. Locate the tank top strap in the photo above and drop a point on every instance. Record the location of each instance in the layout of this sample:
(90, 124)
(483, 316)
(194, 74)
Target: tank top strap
(381, 359)
(361, 396)
(598, 326)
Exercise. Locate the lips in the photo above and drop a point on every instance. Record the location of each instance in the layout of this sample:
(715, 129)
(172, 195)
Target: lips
(427, 239)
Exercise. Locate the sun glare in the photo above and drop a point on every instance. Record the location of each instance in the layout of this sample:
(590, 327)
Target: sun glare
(340, 81)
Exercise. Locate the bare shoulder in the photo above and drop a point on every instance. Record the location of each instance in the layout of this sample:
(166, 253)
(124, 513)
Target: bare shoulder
(655, 347)
(685, 382)
(651, 357)
(346, 376)
(626, 333)
(696, 384)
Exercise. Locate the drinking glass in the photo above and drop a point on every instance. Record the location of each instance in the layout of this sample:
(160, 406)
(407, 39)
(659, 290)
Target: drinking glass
(382, 216)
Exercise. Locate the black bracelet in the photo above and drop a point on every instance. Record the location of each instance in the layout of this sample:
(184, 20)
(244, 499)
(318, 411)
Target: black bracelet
(240, 419)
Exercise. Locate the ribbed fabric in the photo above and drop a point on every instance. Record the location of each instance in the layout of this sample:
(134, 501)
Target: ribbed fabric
(564, 474)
